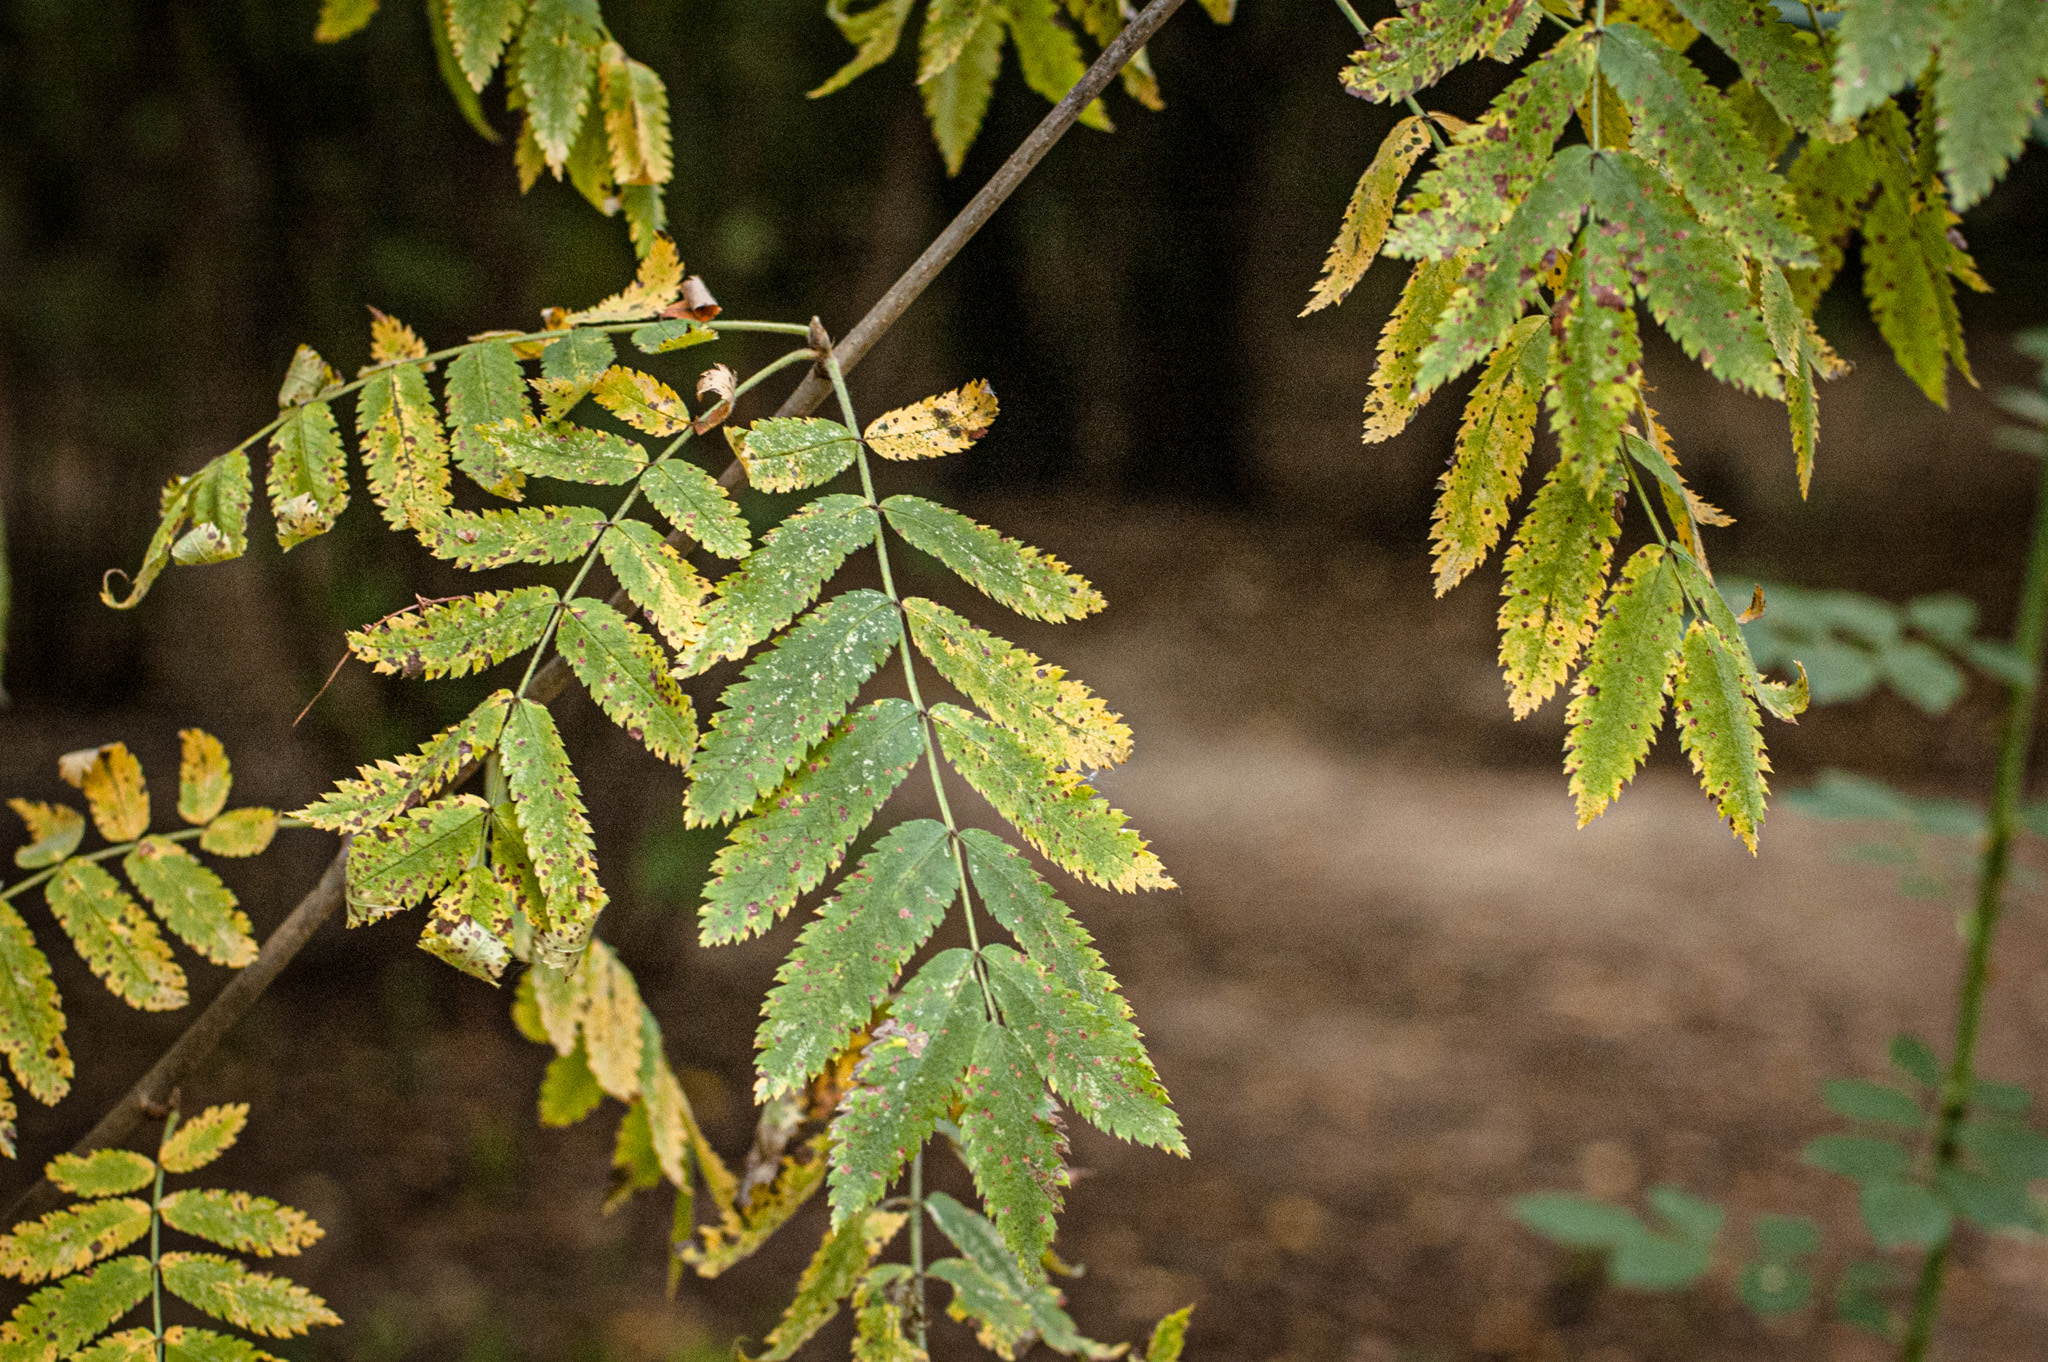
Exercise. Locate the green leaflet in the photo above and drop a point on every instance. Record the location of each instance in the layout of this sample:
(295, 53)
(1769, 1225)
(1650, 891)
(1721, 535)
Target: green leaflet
(217, 499)
(788, 454)
(388, 788)
(1721, 731)
(1365, 218)
(55, 830)
(1502, 278)
(1395, 399)
(31, 1017)
(1695, 288)
(995, 1288)
(847, 958)
(204, 1138)
(1419, 46)
(308, 478)
(1477, 183)
(486, 388)
(1055, 810)
(255, 1301)
(1911, 298)
(956, 93)
(1057, 719)
(1785, 65)
(191, 900)
(1002, 1321)
(58, 1320)
(75, 1237)
(114, 937)
(1618, 700)
(1090, 1054)
(949, 25)
(1554, 573)
(1048, 57)
(1032, 583)
(1881, 46)
(1010, 1143)
(1595, 368)
(104, 1172)
(557, 53)
(1993, 58)
(549, 806)
(404, 454)
(570, 453)
(455, 638)
(204, 776)
(236, 1220)
(1831, 184)
(394, 865)
(478, 30)
(569, 1091)
(906, 1080)
(1685, 126)
(1787, 328)
(627, 675)
(633, 1167)
(677, 333)
(1494, 439)
(691, 500)
(790, 697)
(798, 834)
(839, 1262)
(781, 577)
(669, 592)
(182, 1344)
(874, 31)
(532, 534)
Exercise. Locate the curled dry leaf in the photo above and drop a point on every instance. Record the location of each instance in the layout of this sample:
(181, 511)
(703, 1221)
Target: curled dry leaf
(696, 302)
(718, 381)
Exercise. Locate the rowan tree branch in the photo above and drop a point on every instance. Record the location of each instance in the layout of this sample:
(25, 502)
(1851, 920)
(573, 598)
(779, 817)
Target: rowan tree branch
(153, 1090)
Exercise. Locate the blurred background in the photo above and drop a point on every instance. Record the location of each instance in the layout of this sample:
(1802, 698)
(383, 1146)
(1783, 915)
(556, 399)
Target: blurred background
(1396, 986)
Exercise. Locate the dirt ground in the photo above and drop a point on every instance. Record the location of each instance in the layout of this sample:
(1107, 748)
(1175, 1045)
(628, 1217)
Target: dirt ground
(1395, 989)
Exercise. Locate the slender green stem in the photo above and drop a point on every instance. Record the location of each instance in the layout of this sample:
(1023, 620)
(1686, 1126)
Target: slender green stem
(1436, 135)
(156, 1220)
(108, 853)
(1593, 98)
(773, 328)
(1349, 13)
(2029, 633)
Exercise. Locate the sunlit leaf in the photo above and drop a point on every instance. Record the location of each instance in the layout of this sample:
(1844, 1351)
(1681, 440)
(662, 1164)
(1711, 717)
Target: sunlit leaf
(627, 675)
(1027, 580)
(54, 830)
(457, 637)
(236, 1220)
(114, 937)
(255, 1301)
(191, 900)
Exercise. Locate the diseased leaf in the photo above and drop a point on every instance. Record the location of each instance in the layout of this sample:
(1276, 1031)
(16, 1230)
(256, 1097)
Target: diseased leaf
(636, 126)
(741, 1231)
(455, 638)
(1055, 810)
(204, 776)
(875, 31)
(471, 922)
(58, 1320)
(957, 88)
(784, 575)
(1057, 719)
(1788, 333)
(881, 1329)
(834, 1268)
(1002, 1322)
(1168, 1336)
(788, 454)
(945, 423)
(308, 478)
(486, 388)
(1598, 363)
(1420, 45)
(75, 1237)
(1394, 398)
(669, 592)
(1787, 66)
(691, 500)
(656, 284)
(1988, 86)
(557, 67)
(906, 1080)
(104, 1172)
(627, 675)
(1911, 299)
(1554, 573)
(847, 958)
(307, 377)
(477, 540)
(391, 340)
(31, 1017)
(255, 1301)
(798, 834)
(405, 455)
(114, 937)
(1494, 439)
(609, 1014)
(396, 864)
(236, 1220)
(788, 700)
(1002, 1293)
(54, 830)
(549, 806)
(1618, 701)
(203, 1139)
(1721, 731)
(1366, 217)
(191, 900)
(478, 30)
(182, 1344)
(642, 401)
(390, 787)
(111, 779)
(569, 453)
(1031, 582)
(1880, 47)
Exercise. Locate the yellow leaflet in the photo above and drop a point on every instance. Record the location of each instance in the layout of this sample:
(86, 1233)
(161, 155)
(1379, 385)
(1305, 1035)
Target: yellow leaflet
(1423, 299)
(1656, 17)
(1555, 570)
(635, 118)
(658, 284)
(740, 1233)
(943, 424)
(391, 339)
(112, 781)
(54, 830)
(1493, 446)
(203, 776)
(1618, 701)
(641, 401)
(1371, 208)
(611, 1021)
(117, 940)
(1721, 731)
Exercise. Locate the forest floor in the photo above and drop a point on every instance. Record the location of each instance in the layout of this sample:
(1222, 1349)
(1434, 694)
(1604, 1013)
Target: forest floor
(1395, 989)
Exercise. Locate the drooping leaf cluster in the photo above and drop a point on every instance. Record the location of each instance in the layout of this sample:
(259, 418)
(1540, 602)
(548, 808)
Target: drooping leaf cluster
(586, 108)
(119, 941)
(91, 1290)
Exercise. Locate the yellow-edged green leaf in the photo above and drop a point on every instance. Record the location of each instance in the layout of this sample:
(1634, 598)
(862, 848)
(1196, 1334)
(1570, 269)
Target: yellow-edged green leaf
(54, 830)
(1027, 580)
(1555, 572)
(958, 77)
(1831, 185)
(1366, 217)
(204, 1138)
(237, 1220)
(405, 455)
(1494, 439)
(387, 789)
(255, 1301)
(787, 701)
(308, 478)
(182, 1344)
(1618, 700)
(58, 1320)
(478, 31)
(1596, 366)
(111, 779)
(1055, 810)
(1009, 1299)
(672, 1129)
(486, 388)
(115, 937)
(104, 1172)
(455, 638)
(557, 53)
(1055, 717)
(78, 1236)
(471, 922)
(691, 500)
(1721, 731)
(847, 958)
(549, 806)
(1420, 45)
(945, 423)
(875, 31)
(642, 401)
(656, 284)
(394, 865)
(308, 376)
(1788, 332)
(31, 1015)
(784, 575)
(788, 454)
(839, 1262)
(627, 675)
(1394, 399)
(636, 122)
(204, 776)
(669, 592)
(240, 832)
(191, 900)
(676, 333)
(570, 453)
(218, 498)
(531, 534)
(799, 833)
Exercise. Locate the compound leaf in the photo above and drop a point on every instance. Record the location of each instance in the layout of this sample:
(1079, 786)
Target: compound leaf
(1785, 65)
(627, 675)
(1366, 217)
(1493, 447)
(237, 1220)
(691, 500)
(1880, 47)
(455, 638)
(308, 478)
(477, 540)
(781, 577)
(1618, 700)
(1720, 729)
(788, 454)
(669, 592)
(191, 900)
(1554, 572)
(549, 806)
(1028, 581)
(114, 937)
(255, 1301)
(78, 1236)
(945, 423)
